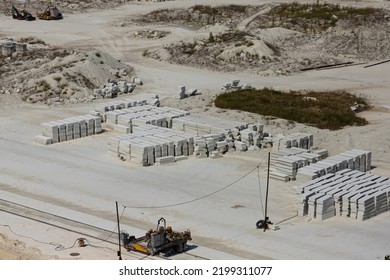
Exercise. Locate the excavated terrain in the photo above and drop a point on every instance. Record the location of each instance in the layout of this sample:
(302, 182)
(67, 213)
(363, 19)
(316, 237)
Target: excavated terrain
(270, 44)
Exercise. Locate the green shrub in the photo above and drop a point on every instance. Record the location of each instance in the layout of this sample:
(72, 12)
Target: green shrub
(331, 110)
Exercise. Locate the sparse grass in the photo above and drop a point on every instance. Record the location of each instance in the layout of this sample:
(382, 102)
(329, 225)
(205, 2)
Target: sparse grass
(314, 17)
(199, 15)
(327, 110)
(43, 86)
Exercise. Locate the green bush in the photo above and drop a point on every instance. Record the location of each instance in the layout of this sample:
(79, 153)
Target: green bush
(331, 110)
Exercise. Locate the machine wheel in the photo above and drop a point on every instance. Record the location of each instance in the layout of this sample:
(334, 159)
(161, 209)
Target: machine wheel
(260, 224)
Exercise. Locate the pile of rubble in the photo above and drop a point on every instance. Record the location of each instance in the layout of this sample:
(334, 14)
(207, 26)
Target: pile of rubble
(346, 193)
(8, 46)
(235, 85)
(183, 93)
(113, 88)
(149, 34)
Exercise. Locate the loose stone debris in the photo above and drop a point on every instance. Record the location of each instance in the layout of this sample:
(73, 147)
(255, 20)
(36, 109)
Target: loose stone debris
(8, 47)
(235, 85)
(113, 88)
(183, 93)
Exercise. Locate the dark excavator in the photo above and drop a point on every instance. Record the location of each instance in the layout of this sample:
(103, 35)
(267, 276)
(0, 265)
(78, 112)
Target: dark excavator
(51, 13)
(22, 15)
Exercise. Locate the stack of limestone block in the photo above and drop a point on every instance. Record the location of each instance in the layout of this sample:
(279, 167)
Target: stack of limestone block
(69, 129)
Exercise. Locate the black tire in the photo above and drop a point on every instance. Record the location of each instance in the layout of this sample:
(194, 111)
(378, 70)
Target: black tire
(260, 224)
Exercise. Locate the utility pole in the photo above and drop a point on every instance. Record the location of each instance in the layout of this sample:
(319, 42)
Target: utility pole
(264, 223)
(266, 194)
(119, 233)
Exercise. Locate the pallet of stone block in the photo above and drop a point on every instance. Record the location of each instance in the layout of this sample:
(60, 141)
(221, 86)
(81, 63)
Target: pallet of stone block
(50, 130)
(256, 127)
(215, 155)
(205, 123)
(121, 129)
(312, 202)
(381, 200)
(142, 154)
(302, 203)
(157, 147)
(364, 157)
(366, 207)
(165, 160)
(222, 146)
(307, 173)
(65, 130)
(362, 186)
(129, 102)
(305, 186)
(94, 123)
(339, 203)
(90, 121)
(180, 158)
(155, 120)
(325, 207)
(125, 149)
(112, 116)
(240, 146)
(113, 144)
(43, 140)
(278, 175)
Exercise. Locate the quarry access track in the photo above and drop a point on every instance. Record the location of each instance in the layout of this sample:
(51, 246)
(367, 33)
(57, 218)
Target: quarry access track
(85, 230)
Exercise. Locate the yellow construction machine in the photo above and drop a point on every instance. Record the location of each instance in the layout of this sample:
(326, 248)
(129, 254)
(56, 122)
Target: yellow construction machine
(51, 13)
(162, 240)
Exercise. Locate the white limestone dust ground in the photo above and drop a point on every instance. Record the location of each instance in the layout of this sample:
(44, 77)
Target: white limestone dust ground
(79, 179)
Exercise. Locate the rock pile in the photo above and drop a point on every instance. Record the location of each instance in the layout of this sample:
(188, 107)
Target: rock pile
(113, 88)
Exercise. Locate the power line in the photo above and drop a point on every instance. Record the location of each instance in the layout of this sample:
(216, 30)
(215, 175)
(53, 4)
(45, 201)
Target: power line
(196, 199)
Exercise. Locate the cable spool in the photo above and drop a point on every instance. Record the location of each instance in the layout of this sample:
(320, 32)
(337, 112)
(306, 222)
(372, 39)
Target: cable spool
(81, 242)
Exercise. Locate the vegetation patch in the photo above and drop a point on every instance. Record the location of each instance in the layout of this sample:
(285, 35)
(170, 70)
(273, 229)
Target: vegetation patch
(316, 17)
(201, 15)
(327, 110)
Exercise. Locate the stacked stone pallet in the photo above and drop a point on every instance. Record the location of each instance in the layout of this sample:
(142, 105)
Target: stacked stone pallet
(200, 125)
(140, 115)
(355, 159)
(150, 144)
(286, 163)
(69, 129)
(298, 140)
(349, 193)
(200, 147)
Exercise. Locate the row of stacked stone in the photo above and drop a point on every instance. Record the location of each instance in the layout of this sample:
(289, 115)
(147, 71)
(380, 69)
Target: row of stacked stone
(236, 135)
(294, 140)
(150, 144)
(347, 193)
(286, 163)
(122, 115)
(354, 159)
(69, 129)
(291, 152)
